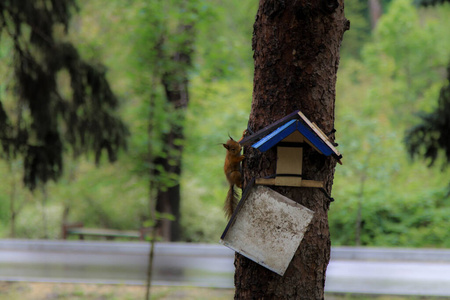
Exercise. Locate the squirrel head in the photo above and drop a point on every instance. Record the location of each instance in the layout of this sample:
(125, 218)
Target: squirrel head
(233, 146)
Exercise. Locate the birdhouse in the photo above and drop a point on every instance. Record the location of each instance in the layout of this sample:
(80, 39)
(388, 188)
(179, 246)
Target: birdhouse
(268, 227)
(290, 136)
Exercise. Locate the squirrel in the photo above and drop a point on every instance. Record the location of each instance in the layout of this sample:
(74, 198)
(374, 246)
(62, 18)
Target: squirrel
(233, 174)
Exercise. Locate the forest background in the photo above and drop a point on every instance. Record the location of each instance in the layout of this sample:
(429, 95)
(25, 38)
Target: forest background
(387, 75)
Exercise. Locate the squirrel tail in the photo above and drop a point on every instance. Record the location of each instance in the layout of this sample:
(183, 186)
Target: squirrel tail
(230, 202)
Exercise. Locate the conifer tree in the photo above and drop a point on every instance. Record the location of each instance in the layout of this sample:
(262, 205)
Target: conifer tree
(431, 137)
(46, 122)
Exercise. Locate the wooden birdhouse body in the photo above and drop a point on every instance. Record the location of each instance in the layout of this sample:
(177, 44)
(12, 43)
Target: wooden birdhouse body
(290, 160)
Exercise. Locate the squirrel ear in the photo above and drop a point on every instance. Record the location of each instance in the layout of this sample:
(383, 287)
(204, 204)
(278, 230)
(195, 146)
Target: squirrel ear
(226, 146)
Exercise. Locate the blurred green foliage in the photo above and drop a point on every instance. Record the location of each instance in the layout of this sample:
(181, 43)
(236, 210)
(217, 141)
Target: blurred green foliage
(385, 77)
(401, 71)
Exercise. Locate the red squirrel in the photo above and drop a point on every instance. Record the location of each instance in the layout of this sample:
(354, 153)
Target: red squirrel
(233, 174)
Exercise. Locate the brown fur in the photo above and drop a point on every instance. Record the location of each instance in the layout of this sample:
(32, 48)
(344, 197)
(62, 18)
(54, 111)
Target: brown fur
(233, 174)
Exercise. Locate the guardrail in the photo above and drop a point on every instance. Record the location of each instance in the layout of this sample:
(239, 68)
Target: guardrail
(351, 270)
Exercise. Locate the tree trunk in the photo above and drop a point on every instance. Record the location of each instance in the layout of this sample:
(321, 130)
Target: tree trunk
(12, 199)
(359, 211)
(296, 52)
(168, 197)
(175, 84)
(375, 11)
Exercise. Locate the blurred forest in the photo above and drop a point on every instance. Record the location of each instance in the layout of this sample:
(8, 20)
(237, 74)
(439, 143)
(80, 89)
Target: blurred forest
(391, 68)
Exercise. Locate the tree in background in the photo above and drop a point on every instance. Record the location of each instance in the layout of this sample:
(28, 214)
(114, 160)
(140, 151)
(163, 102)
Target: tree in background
(46, 121)
(61, 102)
(430, 139)
(296, 51)
(400, 73)
(126, 37)
(175, 81)
(375, 11)
(165, 47)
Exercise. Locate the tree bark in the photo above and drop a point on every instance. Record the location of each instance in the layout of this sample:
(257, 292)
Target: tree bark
(168, 198)
(296, 52)
(175, 82)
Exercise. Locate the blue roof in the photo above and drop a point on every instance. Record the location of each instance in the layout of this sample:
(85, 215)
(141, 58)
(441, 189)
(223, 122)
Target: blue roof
(284, 131)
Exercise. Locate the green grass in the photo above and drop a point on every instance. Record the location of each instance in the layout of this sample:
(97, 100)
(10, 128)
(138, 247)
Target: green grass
(68, 291)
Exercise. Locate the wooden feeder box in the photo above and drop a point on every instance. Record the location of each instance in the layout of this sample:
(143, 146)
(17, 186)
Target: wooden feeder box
(290, 135)
(267, 228)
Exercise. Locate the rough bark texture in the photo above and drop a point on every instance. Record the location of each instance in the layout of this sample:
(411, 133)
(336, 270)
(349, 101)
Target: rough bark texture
(296, 52)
